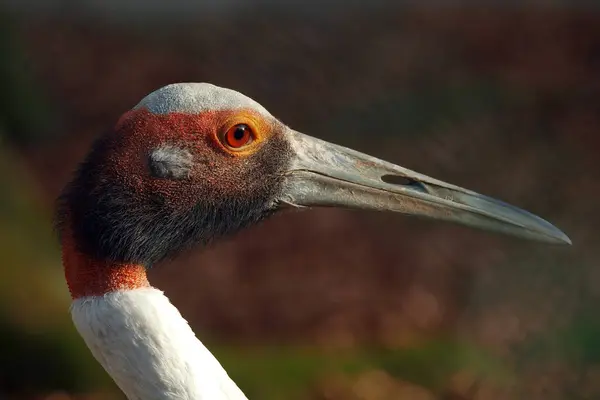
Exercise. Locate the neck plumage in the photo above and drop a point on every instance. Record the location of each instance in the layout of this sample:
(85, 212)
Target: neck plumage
(138, 336)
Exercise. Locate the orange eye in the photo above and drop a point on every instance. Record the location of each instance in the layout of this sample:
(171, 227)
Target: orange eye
(239, 136)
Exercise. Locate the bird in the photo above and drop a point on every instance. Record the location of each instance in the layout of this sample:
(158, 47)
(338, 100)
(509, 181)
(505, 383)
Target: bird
(192, 163)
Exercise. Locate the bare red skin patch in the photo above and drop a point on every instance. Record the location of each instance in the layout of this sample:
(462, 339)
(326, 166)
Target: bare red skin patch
(139, 131)
(88, 277)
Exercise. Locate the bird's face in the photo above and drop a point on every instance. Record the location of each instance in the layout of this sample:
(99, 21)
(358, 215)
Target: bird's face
(194, 161)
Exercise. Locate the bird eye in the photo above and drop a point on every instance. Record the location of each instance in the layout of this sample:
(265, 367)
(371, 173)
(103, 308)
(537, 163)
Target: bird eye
(238, 136)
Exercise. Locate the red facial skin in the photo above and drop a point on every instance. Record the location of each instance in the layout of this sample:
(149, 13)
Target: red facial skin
(202, 134)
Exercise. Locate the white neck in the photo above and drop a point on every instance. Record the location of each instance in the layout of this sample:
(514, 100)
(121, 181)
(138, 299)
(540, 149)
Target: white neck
(147, 347)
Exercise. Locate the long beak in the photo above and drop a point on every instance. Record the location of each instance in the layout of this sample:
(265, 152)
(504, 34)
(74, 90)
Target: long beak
(325, 174)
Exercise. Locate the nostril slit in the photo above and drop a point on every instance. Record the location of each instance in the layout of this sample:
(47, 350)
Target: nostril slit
(404, 181)
(398, 180)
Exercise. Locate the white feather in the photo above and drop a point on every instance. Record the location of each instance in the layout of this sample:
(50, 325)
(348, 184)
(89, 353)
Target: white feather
(147, 347)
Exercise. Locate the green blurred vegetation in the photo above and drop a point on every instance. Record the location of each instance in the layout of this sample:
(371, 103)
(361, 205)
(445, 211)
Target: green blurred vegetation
(289, 372)
(39, 349)
(25, 114)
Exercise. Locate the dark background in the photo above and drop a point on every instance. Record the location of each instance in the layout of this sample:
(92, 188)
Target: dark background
(328, 304)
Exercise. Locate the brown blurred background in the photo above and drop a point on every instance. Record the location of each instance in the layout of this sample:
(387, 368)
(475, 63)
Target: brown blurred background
(328, 304)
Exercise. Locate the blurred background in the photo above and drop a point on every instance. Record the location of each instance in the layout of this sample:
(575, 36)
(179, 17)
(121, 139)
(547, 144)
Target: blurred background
(328, 304)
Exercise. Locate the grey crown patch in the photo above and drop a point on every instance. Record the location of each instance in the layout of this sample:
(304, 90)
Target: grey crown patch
(194, 98)
(170, 162)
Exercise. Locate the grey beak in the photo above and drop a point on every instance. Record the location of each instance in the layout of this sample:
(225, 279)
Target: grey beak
(328, 175)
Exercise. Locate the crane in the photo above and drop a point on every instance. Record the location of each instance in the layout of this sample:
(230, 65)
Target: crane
(190, 163)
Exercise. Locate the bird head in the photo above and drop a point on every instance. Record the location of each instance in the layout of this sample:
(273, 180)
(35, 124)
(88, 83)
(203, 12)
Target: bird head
(193, 161)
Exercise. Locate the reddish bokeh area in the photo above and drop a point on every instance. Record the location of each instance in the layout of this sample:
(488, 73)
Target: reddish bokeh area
(504, 101)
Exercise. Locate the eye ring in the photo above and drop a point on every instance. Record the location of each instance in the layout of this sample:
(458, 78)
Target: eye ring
(238, 136)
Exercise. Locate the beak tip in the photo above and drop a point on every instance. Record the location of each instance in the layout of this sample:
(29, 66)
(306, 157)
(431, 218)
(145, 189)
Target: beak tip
(559, 237)
(566, 240)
